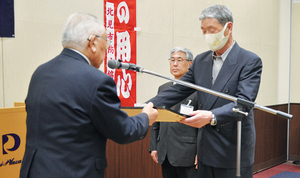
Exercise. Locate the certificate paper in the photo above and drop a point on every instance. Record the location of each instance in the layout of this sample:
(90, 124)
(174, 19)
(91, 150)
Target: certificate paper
(164, 115)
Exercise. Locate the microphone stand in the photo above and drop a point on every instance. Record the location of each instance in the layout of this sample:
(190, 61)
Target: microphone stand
(238, 108)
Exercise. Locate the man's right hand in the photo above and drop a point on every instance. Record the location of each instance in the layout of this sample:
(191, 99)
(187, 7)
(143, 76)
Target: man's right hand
(198, 118)
(154, 156)
(151, 112)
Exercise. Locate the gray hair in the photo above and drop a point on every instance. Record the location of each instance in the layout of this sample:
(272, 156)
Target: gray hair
(188, 53)
(78, 27)
(220, 12)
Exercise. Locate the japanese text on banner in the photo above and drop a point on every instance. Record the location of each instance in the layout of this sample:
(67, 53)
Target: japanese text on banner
(120, 20)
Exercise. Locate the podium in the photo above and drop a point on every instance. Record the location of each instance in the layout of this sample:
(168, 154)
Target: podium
(164, 114)
(12, 139)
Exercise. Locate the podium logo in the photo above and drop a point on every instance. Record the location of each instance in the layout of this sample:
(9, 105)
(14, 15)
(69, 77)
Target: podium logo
(7, 140)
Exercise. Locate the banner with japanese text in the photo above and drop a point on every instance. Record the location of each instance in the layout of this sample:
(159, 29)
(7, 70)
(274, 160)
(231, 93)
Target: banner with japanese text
(120, 21)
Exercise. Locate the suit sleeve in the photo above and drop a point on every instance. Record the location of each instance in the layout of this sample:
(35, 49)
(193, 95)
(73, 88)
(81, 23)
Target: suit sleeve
(112, 122)
(167, 97)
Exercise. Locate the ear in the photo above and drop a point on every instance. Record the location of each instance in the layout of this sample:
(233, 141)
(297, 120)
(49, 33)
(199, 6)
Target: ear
(91, 43)
(230, 26)
(190, 63)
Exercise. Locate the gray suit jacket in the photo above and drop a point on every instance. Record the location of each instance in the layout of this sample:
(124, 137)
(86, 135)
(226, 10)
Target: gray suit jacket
(239, 77)
(72, 108)
(175, 140)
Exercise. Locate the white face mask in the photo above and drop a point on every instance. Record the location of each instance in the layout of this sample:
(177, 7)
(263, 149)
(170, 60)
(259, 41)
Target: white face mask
(216, 41)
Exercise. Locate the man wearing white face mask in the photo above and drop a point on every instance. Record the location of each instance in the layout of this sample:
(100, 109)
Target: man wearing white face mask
(229, 69)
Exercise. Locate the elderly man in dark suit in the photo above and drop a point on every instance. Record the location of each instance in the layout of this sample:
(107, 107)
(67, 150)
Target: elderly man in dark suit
(172, 144)
(226, 68)
(72, 108)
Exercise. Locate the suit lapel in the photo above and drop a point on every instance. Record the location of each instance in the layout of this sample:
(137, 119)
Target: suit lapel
(206, 76)
(227, 70)
(207, 71)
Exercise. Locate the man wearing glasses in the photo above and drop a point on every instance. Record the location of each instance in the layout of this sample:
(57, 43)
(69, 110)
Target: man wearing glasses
(172, 144)
(72, 108)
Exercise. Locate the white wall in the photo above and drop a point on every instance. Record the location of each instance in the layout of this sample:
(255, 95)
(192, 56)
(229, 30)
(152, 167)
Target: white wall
(295, 53)
(38, 26)
(284, 51)
(164, 25)
(256, 28)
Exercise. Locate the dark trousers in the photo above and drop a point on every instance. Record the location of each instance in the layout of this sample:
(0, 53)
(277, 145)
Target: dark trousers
(205, 171)
(169, 171)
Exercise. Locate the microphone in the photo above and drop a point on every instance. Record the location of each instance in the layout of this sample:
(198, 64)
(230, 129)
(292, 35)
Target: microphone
(117, 64)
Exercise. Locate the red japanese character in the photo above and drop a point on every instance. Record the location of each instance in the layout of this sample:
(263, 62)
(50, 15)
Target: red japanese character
(110, 11)
(110, 73)
(110, 24)
(111, 50)
(110, 36)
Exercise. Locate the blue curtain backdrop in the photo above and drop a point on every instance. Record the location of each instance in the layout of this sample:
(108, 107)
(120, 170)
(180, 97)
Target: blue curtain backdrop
(7, 18)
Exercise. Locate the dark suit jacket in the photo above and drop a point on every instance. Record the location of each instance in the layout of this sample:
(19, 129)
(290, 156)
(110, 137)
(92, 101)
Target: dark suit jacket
(72, 108)
(239, 77)
(175, 140)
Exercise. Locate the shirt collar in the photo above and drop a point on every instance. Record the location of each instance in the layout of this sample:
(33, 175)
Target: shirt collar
(81, 55)
(225, 54)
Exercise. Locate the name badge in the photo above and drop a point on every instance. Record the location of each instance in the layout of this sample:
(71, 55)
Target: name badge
(185, 109)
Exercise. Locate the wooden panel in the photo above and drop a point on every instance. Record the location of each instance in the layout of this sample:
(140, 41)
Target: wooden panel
(17, 104)
(131, 160)
(295, 132)
(271, 138)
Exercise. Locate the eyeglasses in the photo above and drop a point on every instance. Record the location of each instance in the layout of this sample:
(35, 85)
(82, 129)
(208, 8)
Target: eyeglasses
(108, 42)
(178, 60)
